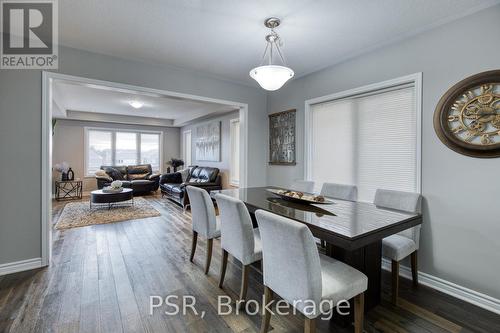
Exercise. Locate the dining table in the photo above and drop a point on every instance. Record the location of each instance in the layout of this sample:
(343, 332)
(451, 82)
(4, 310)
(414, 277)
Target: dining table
(353, 230)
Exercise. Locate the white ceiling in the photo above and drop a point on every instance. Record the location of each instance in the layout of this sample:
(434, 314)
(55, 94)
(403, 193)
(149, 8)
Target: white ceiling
(88, 101)
(226, 37)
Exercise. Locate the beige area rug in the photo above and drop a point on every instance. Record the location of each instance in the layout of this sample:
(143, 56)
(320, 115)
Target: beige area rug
(79, 214)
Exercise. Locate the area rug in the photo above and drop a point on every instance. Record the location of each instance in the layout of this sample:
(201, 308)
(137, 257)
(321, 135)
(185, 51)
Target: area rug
(79, 214)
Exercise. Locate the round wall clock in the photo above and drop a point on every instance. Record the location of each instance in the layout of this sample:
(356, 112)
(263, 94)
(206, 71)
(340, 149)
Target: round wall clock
(467, 117)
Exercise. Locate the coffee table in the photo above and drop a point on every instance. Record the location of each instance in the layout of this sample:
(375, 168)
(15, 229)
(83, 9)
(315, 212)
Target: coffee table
(98, 197)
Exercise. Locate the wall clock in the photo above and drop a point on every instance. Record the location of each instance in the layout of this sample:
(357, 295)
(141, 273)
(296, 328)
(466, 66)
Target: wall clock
(467, 117)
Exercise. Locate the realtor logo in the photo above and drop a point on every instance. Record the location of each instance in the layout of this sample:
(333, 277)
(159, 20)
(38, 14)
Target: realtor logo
(29, 34)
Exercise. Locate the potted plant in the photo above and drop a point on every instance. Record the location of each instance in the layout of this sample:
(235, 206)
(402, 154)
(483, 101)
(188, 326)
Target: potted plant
(175, 163)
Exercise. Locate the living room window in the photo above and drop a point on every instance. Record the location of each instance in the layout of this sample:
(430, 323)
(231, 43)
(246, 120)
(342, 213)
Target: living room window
(121, 147)
(368, 137)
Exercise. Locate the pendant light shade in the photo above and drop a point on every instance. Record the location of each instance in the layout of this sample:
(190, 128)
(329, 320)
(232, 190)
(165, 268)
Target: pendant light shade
(271, 76)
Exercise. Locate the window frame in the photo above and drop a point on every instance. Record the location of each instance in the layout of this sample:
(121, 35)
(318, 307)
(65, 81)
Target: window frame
(113, 145)
(413, 79)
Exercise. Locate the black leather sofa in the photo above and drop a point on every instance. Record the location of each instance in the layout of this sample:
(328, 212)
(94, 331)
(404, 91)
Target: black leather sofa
(172, 186)
(140, 178)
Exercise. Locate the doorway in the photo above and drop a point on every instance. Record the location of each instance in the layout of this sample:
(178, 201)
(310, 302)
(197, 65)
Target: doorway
(49, 78)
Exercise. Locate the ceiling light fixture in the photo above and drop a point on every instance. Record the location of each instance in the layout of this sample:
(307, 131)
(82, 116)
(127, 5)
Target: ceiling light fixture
(136, 104)
(272, 77)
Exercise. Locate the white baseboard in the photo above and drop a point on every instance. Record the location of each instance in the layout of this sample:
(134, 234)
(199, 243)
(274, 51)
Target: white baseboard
(468, 295)
(19, 266)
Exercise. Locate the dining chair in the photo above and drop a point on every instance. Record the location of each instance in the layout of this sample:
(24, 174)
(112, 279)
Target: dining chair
(302, 186)
(238, 238)
(340, 191)
(205, 222)
(406, 243)
(311, 282)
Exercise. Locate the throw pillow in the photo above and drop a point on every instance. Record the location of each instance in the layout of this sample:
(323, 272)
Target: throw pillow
(102, 174)
(113, 173)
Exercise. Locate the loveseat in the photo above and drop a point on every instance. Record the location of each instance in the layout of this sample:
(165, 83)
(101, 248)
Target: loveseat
(173, 185)
(140, 178)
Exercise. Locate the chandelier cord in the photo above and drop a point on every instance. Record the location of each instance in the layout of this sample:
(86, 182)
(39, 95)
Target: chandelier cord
(264, 54)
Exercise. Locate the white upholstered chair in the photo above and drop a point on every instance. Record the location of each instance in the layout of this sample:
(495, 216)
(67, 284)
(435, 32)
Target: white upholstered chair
(401, 245)
(239, 238)
(205, 222)
(294, 269)
(302, 185)
(340, 191)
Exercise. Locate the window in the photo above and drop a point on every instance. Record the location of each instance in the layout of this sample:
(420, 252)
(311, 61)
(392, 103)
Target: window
(121, 147)
(99, 150)
(186, 150)
(150, 150)
(370, 140)
(126, 148)
(234, 172)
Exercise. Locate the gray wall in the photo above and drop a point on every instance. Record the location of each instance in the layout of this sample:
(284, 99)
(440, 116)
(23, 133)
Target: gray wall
(225, 161)
(20, 133)
(68, 144)
(461, 209)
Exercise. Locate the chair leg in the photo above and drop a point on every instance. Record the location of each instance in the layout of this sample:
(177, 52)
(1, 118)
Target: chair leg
(268, 296)
(414, 268)
(309, 325)
(359, 311)
(210, 243)
(223, 267)
(193, 245)
(395, 281)
(245, 269)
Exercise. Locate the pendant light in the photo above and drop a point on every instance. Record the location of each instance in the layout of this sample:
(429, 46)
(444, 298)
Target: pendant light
(271, 76)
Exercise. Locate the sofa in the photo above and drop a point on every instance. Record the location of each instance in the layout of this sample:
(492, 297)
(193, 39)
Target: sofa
(173, 185)
(140, 178)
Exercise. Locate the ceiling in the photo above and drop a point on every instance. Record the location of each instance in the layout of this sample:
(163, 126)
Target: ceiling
(92, 102)
(225, 38)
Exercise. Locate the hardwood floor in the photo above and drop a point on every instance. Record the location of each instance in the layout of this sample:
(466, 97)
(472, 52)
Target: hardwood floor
(102, 277)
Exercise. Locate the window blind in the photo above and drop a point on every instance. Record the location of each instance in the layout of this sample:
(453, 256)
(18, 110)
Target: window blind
(368, 140)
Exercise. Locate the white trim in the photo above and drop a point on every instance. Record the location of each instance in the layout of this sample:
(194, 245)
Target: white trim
(113, 131)
(183, 152)
(46, 176)
(231, 181)
(19, 266)
(465, 294)
(46, 179)
(415, 79)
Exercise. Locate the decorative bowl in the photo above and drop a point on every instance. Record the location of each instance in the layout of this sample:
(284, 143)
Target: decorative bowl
(110, 189)
(305, 198)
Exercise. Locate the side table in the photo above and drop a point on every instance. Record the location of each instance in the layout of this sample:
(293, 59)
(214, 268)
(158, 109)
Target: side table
(69, 190)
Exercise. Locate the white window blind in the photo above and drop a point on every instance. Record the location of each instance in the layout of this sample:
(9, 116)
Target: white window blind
(367, 140)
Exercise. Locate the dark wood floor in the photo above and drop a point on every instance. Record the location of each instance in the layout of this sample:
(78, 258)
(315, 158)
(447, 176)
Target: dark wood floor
(102, 276)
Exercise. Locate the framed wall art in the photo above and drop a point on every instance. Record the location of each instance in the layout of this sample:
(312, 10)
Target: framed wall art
(207, 143)
(282, 138)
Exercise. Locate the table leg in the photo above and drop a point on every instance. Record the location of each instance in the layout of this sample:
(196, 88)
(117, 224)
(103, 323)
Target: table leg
(368, 260)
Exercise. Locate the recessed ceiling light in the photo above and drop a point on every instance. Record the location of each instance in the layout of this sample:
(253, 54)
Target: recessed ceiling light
(136, 104)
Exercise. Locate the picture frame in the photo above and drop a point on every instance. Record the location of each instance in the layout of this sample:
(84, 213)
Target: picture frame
(282, 138)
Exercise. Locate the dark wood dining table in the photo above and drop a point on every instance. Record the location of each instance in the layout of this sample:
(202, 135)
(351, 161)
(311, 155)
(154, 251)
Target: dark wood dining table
(353, 231)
